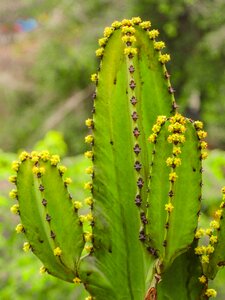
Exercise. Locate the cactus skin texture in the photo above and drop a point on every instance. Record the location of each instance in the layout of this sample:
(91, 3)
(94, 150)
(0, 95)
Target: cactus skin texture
(139, 239)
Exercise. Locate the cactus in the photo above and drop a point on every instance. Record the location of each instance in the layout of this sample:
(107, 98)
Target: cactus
(139, 237)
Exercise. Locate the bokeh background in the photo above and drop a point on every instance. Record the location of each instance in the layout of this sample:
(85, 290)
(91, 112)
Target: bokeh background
(46, 59)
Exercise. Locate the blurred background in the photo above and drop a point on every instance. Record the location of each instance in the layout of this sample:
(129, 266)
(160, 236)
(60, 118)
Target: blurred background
(46, 59)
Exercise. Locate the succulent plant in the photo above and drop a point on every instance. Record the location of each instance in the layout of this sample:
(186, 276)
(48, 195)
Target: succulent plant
(139, 238)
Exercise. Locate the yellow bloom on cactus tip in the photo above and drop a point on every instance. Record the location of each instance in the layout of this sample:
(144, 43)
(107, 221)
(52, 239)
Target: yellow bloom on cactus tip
(88, 248)
(77, 204)
(208, 231)
(169, 207)
(211, 293)
(173, 176)
(26, 247)
(77, 280)
(43, 270)
(94, 77)
(89, 139)
(130, 51)
(209, 249)
(108, 31)
(82, 218)
(136, 20)
(102, 42)
(89, 298)
(57, 251)
(45, 155)
(19, 228)
(88, 236)
(202, 279)
(152, 138)
(15, 209)
(55, 159)
(164, 58)
(116, 24)
(198, 125)
(145, 24)
(218, 213)
(24, 155)
(62, 169)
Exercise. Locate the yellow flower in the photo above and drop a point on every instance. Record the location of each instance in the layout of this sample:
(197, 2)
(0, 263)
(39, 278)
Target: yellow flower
(223, 190)
(89, 123)
(76, 280)
(15, 165)
(116, 24)
(130, 51)
(128, 29)
(199, 233)
(89, 170)
(126, 22)
(88, 236)
(173, 176)
(24, 155)
(176, 150)
(89, 298)
(159, 45)
(161, 120)
(57, 251)
(204, 154)
(177, 128)
(153, 34)
(129, 38)
(176, 138)
(82, 218)
(88, 185)
(26, 247)
(19, 228)
(199, 250)
(62, 169)
(88, 201)
(145, 24)
(173, 162)
(169, 207)
(152, 138)
(54, 160)
(211, 293)
(99, 52)
(203, 145)
(209, 249)
(43, 270)
(198, 125)
(102, 42)
(67, 181)
(45, 155)
(38, 170)
(205, 259)
(218, 213)
(208, 231)
(13, 179)
(77, 204)
(94, 77)
(215, 224)
(136, 20)
(88, 248)
(201, 134)
(89, 217)
(15, 209)
(202, 279)
(89, 139)
(13, 194)
(89, 154)
(164, 58)
(156, 128)
(108, 31)
(213, 239)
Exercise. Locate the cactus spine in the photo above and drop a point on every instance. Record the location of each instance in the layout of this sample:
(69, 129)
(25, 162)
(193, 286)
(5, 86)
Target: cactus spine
(139, 238)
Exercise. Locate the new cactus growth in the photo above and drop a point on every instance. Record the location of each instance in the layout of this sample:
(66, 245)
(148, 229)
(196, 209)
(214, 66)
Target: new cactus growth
(139, 239)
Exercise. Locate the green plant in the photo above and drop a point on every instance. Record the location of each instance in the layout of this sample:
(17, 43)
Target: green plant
(137, 237)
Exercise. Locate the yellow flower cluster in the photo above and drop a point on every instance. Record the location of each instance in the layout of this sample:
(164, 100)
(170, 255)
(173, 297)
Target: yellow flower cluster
(94, 77)
(164, 58)
(130, 51)
(173, 161)
(24, 155)
(211, 293)
(99, 52)
(161, 120)
(152, 138)
(44, 155)
(153, 34)
(13, 179)
(89, 123)
(15, 209)
(89, 170)
(62, 169)
(89, 139)
(42, 270)
(145, 25)
(173, 176)
(67, 181)
(176, 138)
(15, 165)
(89, 154)
(55, 159)
(77, 204)
(102, 42)
(13, 194)
(38, 170)
(202, 279)
(88, 201)
(26, 247)
(199, 233)
(159, 45)
(169, 207)
(88, 185)
(116, 24)
(77, 280)
(129, 38)
(128, 29)
(108, 32)
(19, 228)
(57, 251)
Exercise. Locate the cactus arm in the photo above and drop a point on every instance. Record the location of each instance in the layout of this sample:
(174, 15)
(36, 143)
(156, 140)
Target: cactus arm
(175, 191)
(181, 280)
(116, 219)
(217, 241)
(45, 208)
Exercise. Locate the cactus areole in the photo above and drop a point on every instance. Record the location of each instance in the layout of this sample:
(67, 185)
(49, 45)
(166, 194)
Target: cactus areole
(139, 238)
